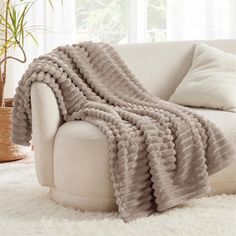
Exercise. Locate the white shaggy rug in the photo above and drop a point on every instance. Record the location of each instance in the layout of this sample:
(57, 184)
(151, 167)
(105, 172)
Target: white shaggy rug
(26, 209)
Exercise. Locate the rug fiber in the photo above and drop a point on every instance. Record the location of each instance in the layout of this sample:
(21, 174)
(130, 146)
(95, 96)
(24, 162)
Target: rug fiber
(26, 209)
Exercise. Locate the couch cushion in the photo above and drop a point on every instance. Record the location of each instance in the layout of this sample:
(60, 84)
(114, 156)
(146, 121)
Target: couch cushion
(81, 162)
(83, 130)
(225, 180)
(225, 121)
(210, 82)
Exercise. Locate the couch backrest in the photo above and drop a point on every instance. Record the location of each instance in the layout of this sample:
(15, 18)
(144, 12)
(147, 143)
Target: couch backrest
(160, 67)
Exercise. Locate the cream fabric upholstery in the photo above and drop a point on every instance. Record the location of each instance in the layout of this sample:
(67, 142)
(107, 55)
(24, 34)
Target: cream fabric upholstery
(45, 122)
(225, 180)
(212, 75)
(73, 158)
(81, 159)
(81, 166)
(161, 66)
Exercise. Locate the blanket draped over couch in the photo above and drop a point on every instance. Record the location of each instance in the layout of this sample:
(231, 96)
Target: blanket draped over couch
(161, 154)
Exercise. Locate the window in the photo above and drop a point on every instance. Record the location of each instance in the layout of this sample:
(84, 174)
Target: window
(121, 21)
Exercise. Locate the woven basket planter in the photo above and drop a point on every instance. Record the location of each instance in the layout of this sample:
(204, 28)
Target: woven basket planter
(8, 150)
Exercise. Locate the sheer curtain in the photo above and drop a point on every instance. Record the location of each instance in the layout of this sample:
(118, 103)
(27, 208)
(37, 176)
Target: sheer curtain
(53, 28)
(156, 20)
(180, 20)
(201, 19)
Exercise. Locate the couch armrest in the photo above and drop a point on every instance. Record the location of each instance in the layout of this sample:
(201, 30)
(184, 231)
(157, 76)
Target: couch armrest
(45, 121)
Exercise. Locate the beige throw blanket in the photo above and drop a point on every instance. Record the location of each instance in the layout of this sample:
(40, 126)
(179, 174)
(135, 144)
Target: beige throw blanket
(161, 154)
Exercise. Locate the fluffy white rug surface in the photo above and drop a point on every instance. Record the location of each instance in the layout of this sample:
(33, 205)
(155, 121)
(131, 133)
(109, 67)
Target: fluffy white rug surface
(26, 209)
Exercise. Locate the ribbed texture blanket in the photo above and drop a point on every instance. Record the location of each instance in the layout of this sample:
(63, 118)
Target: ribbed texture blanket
(161, 154)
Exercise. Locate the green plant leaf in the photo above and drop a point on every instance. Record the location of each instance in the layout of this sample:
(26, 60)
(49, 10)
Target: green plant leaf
(13, 21)
(28, 33)
(51, 4)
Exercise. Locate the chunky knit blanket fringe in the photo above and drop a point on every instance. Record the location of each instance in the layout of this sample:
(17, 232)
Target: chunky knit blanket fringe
(161, 154)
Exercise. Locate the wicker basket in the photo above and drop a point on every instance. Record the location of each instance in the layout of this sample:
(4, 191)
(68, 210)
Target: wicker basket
(8, 150)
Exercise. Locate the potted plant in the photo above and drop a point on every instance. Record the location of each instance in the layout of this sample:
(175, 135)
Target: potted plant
(13, 30)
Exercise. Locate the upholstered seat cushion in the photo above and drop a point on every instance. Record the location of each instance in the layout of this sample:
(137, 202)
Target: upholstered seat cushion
(81, 169)
(81, 160)
(225, 121)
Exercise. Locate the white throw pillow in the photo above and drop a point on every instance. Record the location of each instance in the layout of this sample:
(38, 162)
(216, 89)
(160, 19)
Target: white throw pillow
(210, 82)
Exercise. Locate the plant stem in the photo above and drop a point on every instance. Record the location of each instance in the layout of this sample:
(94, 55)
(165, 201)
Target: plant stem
(3, 72)
(15, 58)
(2, 80)
(1, 90)
(5, 39)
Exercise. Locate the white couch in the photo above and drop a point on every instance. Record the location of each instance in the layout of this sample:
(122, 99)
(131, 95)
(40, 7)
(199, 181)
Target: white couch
(72, 158)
